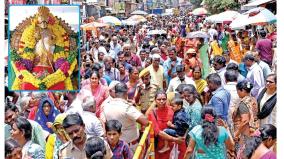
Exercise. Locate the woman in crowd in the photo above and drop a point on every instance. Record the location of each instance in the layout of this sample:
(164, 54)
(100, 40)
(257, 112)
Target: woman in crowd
(46, 114)
(244, 114)
(124, 76)
(22, 133)
(57, 139)
(267, 101)
(12, 149)
(133, 82)
(259, 147)
(193, 107)
(99, 91)
(199, 82)
(209, 140)
(160, 116)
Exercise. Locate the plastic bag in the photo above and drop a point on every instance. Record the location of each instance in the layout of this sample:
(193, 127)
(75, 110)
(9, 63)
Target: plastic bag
(174, 152)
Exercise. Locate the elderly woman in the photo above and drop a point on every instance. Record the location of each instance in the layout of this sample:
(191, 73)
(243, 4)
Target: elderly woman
(244, 114)
(46, 114)
(199, 82)
(99, 91)
(57, 139)
(267, 101)
(22, 133)
(209, 140)
(160, 117)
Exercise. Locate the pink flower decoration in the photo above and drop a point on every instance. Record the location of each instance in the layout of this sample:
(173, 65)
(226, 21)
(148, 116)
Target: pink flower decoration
(65, 67)
(51, 20)
(256, 133)
(209, 118)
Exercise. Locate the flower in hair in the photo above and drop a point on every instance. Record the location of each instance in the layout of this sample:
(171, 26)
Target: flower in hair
(248, 85)
(256, 133)
(209, 118)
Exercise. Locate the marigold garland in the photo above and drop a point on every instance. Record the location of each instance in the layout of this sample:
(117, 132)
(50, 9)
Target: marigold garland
(21, 60)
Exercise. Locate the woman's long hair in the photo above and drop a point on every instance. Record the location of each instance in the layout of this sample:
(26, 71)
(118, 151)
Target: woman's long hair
(210, 130)
(266, 131)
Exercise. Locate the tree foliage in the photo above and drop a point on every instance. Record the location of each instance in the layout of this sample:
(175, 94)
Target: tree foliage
(196, 3)
(218, 6)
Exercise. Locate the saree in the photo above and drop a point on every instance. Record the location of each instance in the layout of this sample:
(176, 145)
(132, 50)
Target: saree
(200, 85)
(42, 119)
(204, 57)
(235, 53)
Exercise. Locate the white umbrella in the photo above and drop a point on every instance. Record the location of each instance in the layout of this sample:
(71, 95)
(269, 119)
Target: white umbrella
(129, 22)
(139, 12)
(198, 34)
(156, 32)
(226, 16)
(240, 21)
(256, 16)
(260, 15)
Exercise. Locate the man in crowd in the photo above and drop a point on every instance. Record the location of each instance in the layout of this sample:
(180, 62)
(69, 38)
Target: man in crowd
(123, 111)
(220, 99)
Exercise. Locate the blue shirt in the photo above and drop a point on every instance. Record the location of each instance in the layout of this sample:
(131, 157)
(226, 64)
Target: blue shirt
(167, 67)
(220, 102)
(180, 120)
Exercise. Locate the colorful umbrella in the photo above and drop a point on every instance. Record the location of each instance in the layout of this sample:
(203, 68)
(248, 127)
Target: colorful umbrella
(137, 18)
(139, 12)
(110, 20)
(199, 11)
(93, 25)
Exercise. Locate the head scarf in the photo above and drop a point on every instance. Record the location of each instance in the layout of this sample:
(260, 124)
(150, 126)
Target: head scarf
(42, 119)
(58, 121)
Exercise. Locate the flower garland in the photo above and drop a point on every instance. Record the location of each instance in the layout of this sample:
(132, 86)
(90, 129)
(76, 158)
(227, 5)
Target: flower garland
(63, 58)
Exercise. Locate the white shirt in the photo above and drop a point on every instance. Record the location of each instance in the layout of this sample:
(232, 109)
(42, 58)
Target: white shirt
(231, 88)
(75, 107)
(255, 76)
(119, 109)
(175, 82)
(93, 126)
(221, 73)
(265, 69)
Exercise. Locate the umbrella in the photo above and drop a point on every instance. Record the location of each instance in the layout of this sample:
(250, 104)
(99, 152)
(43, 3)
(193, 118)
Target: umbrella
(166, 14)
(110, 20)
(137, 18)
(151, 15)
(199, 11)
(198, 34)
(93, 25)
(139, 12)
(129, 22)
(255, 16)
(156, 32)
(226, 16)
(260, 16)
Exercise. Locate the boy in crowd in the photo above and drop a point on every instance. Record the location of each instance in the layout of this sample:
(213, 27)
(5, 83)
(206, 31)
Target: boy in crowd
(120, 149)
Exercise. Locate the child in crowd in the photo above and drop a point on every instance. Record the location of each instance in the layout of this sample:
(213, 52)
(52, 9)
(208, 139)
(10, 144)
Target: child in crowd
(178, 127)
(120, 149)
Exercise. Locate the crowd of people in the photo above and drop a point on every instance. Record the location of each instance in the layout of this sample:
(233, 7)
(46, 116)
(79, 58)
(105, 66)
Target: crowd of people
(211, 97)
